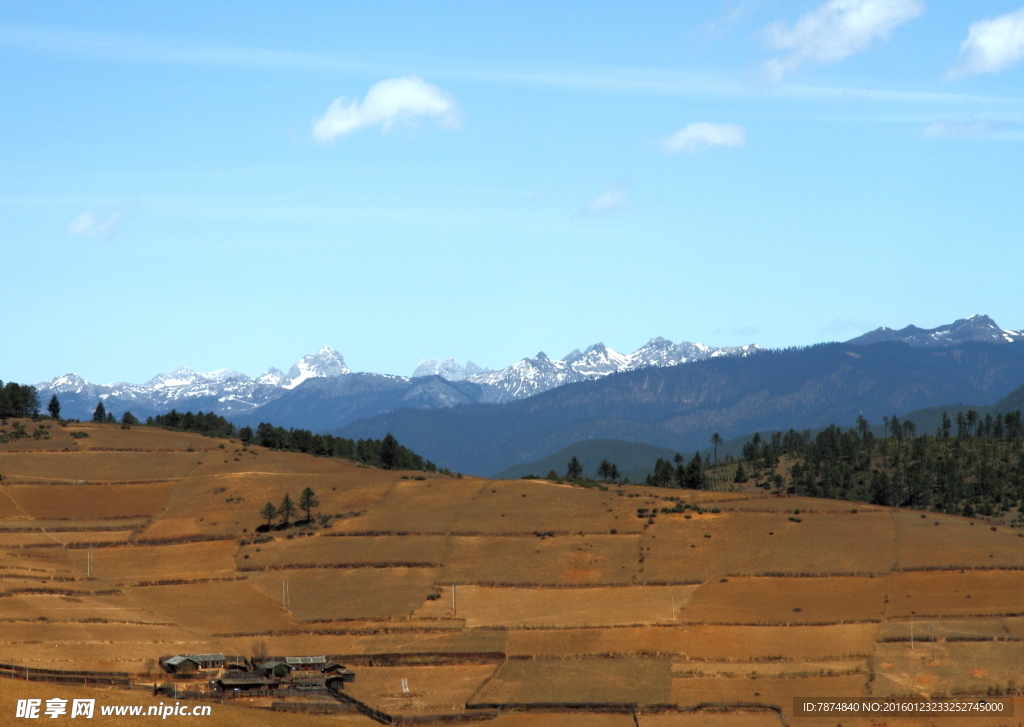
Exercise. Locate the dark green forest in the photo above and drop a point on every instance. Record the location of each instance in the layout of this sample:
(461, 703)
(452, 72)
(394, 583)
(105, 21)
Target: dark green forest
(973, 464)
(385, 453)
(18, 400)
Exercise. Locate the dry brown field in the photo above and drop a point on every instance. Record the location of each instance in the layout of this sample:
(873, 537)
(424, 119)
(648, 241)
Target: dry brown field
(560, 607)
(333, 594)
(956, 593)
(788, 600)
(627, 680)
(631, 640)
(767, 601)
(432, 689)
(89, 501)
(925, 544)
(761, 643)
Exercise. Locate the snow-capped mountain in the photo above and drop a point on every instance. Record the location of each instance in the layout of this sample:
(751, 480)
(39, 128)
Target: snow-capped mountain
(533, 375)
(324, 363)
(449, 369)
(223, 391)
(977, 328)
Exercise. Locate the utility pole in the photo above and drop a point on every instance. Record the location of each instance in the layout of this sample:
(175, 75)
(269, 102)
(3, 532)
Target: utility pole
(454, 609)
(932, 629)
(673, 608)
(89, 566)
(286, 600)
(911, 634)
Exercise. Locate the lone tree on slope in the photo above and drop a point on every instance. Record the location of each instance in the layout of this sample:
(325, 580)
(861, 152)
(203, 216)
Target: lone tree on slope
(100, 415)
(574, 469)
(716, 439)
(54, 407)
(286, 510)
(307, 501)
(269, 512)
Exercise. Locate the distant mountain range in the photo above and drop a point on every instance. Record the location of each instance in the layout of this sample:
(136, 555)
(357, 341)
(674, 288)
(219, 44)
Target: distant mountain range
(679, 407)
(977, 328)
(321, 393)
(334, 395)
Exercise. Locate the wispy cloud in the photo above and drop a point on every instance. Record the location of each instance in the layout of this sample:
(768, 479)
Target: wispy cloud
(836, 30)
(953, 130)
(88, 225)
(608, 201)
(703, 135)
(990, 46)
(588, 79)
(992, 130)
(395, 100)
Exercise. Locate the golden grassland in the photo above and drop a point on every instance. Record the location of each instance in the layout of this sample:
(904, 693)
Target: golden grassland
(562, 594)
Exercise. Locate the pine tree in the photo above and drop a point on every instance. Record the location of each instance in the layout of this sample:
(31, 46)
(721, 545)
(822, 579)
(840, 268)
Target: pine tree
(307, 501)
(269, 512)
(54, 407)
(741, 474)
(716, 439)
(286, 511)
(100, 414)
(574, 469)
(388, 451)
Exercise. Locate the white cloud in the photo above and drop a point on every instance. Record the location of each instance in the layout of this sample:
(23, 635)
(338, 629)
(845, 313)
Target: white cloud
(388, 102)
(88, 225)
(607, 201)
(836, 30)
(990, 46)
(700, 135)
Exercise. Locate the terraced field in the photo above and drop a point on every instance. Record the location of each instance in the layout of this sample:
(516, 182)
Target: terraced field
(526, 595)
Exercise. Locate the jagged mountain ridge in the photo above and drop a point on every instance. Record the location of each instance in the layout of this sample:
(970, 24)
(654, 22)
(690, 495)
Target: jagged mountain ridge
(977, 328)
(449, 369)
(531, 376)
(225, 392)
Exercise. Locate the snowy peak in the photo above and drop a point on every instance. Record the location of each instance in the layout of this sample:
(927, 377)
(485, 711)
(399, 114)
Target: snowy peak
(449, 369)
(977, 328)
(67, 384)
(324, 363)
(535, 375)
(271, 377)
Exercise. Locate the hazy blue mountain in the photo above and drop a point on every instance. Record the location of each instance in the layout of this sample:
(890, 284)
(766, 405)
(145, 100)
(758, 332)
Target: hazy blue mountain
(678, 407)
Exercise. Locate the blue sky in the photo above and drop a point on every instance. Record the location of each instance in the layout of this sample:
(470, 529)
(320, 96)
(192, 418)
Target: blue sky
(193, 184)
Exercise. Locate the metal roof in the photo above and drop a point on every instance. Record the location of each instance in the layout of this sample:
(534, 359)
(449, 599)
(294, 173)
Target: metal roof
(305, 660)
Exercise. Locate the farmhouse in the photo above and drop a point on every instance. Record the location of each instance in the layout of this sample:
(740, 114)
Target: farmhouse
(244, 682)
(184, 663)
(305, 663)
